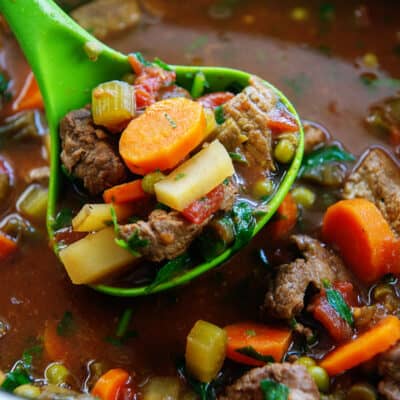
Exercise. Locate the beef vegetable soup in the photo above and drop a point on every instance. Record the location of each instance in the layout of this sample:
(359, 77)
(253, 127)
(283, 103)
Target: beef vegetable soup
(310, 308)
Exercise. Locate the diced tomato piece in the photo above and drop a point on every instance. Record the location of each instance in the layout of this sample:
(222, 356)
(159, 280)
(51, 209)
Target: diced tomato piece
(201, 209)
(8, 246)
(281, 120)
(29, 97)
(216, 99)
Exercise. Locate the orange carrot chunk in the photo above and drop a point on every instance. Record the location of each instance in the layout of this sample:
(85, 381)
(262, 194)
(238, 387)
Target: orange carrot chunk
(362, 236)
(7, 246)
(248, 337)
(372, 342)
(29, 97)
(124, 193)
(285, 218)
(109, 384)
(163, 135)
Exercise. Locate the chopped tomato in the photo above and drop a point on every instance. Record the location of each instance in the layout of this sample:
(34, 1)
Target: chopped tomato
(281, 120)
(201, 209)
(7, 246)
(216, 99)
(29, 97)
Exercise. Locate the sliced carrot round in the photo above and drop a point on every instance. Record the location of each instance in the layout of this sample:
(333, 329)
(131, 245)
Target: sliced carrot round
(362, 235)
(110, 383)
(163, 136)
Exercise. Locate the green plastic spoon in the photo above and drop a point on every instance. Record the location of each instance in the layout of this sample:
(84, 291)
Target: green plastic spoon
(60, 54)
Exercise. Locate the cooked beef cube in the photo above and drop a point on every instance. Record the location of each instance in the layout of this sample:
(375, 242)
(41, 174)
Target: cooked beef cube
(389, 363)
(313, 137)
(89, 153)
(389, 389)
(245, 129)
(295, 377)
(377, 179)
(169, 234)
(285, 296)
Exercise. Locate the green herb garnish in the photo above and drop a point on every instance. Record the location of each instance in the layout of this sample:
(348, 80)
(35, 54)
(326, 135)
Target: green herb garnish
(66, 326)
(17, 377)
(238, 157)
(219, 115)
(179, 176)
(28, 354)
(62, 219)
(273, 390)
(133, 243)
(170, 120)
(142, 60)
(336, 300)
(163, 65)
(244, 223)
(251, 352)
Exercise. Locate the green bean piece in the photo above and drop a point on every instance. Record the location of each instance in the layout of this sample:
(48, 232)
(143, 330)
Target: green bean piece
(381, 291)
(303, 196)
(306, 361)
(262, 188)
(56, 373)
(150, 180)
(28, 391)
(284, 151)
(361, 391)
(320, 376)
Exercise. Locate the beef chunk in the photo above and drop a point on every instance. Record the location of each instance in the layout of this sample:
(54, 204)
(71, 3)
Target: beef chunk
(313, 137)
(285, 296)
(88, 153)
(389, 389)
(295, 377)
(245, 129)
(389, 363)
(169, 234)
(377, 179)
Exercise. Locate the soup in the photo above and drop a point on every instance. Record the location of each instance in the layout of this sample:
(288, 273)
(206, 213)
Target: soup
(338, 63)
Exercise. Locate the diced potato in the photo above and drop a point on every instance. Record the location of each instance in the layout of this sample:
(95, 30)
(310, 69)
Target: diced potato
(205, 350)
(211, 123)
(95, 257)
(33, 202)
(195, 177)
(93, 217)
(113, 104)
(162, 388)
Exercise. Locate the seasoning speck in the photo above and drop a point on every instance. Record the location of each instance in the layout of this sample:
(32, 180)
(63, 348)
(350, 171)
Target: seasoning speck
(170, 120)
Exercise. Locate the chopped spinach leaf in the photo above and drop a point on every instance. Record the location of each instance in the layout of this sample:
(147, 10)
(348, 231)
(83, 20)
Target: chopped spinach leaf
(170, 269)
(133, 243)
(66, 326)
(251, 352)
(123, 323)
(28, 354)
(62, 219)
(17, 377)
(162, 64)
(142, 60)
(337, 301)
(244, 223)
(324, 156)
(219, 115)
(273, 390)
(238, 157)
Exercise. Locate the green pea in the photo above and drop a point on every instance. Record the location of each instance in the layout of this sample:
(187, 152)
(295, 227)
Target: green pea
(262, 188)
(361, 391)
(56, 373)
(28, 391)
(303, 196)
(320, 376)
(284, 151)
(306, 361)
(150, 180)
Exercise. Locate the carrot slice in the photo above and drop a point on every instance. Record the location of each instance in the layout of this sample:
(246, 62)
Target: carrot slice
(372, 342)
(29, 97)
(110, 383)
(124, 193)
(363, 237)
(163, 136)
(7, 246)
(265, 340)
(56, 347)
(285, 218)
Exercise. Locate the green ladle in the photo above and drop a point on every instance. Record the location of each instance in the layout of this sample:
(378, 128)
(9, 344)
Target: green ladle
(56, 49)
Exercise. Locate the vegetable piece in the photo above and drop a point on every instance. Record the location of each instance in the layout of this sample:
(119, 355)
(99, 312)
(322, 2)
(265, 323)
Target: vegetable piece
(361, 391)
(366, 346)
(162, 388)
(303, 196)
(29, 97)
(199, 85)
(150, 180)
(198, 211)
(33, 202)
(214, 100)
(284, 151)
(273, 390)
(281, 120)
(163, 135)
(18, 376)
(124, 193)
(265, 340)
(113, 104)
(110, 383)
(55, 346)
(262, 188)
(285, 218)
(28, 391)
(205, 350)
(363, 237)
(94, 217)
(320, 377)
(195, 177)
(244, 223)
(56, 373)
(8, 246)
(94, 257)
(211, 123)
(306, 361)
